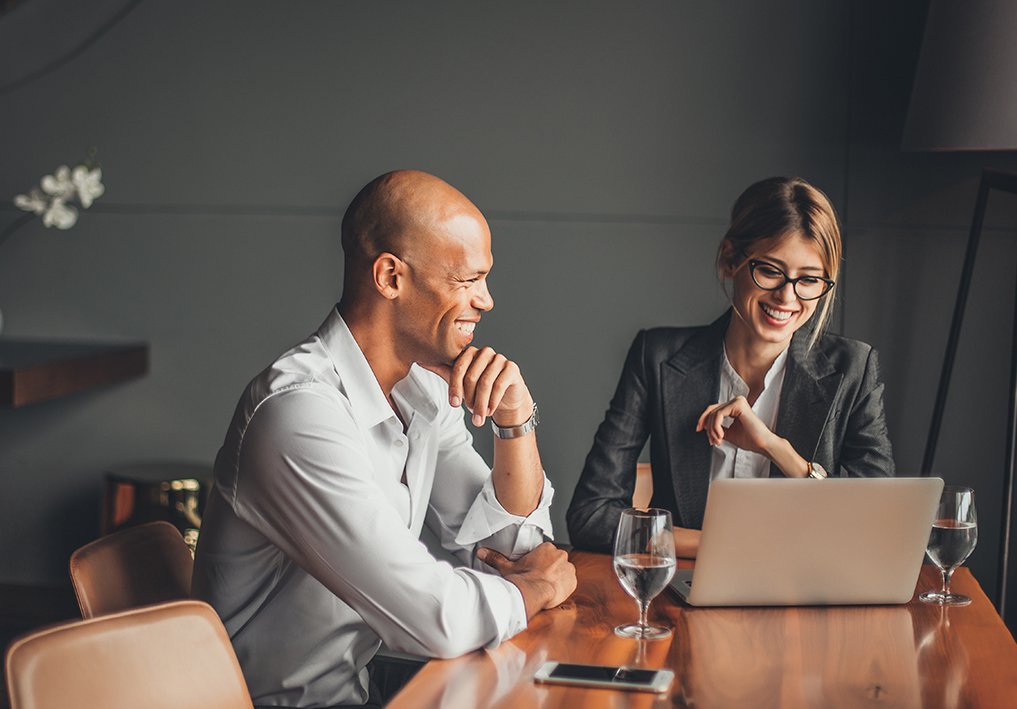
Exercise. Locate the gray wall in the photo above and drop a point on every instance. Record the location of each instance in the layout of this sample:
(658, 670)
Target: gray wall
(605, 141)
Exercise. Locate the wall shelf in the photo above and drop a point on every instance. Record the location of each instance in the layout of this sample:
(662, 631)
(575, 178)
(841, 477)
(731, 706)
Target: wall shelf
(39, 370)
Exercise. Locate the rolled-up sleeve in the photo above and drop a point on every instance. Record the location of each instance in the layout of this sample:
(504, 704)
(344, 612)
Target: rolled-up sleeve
(464, 511)
(488, 524)
(513, 535)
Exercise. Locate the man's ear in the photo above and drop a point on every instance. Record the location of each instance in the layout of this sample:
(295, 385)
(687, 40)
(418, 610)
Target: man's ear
(729, 259)
(388, 272)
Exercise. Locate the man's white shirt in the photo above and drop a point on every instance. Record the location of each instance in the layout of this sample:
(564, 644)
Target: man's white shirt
(310, 547)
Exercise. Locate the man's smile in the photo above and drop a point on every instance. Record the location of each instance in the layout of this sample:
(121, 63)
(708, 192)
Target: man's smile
(466, 328)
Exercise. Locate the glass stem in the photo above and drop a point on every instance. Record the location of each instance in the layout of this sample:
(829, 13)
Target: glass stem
(643, 607)
(947, 575)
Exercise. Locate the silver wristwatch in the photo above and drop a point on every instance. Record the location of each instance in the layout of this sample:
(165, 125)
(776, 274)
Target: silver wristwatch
(817, 471)
(520, 430)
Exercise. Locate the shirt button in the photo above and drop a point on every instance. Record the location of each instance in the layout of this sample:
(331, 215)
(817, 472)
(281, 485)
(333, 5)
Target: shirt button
(398, 443)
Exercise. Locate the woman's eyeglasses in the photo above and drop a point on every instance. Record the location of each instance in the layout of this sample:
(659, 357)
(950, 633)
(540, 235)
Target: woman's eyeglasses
(769, 277)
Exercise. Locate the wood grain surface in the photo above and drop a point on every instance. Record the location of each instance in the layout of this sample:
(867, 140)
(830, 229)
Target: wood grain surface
(39, 370)
(913, 655)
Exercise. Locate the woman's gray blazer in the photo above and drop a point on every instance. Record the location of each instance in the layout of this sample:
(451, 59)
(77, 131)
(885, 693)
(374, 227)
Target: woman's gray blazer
(831, 410)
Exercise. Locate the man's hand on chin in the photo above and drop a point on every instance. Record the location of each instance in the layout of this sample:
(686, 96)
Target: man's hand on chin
(488, 384)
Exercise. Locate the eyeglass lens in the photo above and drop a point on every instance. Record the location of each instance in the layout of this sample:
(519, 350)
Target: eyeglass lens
(769, 277)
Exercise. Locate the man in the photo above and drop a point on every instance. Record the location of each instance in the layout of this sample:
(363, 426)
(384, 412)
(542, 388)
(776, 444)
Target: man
(341, 450)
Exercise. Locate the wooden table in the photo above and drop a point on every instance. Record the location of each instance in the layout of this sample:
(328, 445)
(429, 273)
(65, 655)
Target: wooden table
(915, 655)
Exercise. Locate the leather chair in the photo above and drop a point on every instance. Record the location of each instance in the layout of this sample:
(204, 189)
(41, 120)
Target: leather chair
(165, 656)
(149, 563)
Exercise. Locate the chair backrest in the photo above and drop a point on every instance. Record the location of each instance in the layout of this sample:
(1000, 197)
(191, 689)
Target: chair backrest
(136, 566)
(165, 656)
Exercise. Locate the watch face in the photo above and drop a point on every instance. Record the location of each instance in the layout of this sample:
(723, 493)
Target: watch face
(817, 471)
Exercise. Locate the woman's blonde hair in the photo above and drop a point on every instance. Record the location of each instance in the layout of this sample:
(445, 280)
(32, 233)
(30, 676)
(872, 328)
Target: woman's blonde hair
(770, 211)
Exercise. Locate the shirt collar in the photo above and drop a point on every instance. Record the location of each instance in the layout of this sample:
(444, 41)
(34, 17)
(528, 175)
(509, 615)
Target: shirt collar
(413, 391)
(367, 401)
(775, 370)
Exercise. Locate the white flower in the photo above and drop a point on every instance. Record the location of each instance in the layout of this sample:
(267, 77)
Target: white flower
(88, 183)
(54, 202)
(59, 184)
(34, 201)
(60, 215)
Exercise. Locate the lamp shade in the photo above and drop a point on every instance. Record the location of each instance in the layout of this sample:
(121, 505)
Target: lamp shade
(965, 91)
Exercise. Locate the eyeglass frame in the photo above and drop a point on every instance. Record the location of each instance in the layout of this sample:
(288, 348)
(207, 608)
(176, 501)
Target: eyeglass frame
(755, 263)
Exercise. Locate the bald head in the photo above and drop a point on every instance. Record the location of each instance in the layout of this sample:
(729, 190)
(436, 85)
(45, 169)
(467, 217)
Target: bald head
(418, 254)
(398, 212)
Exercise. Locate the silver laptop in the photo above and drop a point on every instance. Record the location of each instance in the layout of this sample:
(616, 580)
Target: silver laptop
(782, 542)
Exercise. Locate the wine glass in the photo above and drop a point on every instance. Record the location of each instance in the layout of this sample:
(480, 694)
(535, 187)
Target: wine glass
(953, 538)
(644, 562)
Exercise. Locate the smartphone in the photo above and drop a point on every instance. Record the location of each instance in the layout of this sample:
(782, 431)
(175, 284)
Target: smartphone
(635, 678)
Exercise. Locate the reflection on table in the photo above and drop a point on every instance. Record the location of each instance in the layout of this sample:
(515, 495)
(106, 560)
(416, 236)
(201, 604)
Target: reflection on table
(915, 655)
(808, 658)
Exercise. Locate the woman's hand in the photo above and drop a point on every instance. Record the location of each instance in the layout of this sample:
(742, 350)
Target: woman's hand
(748, 432)
(686, 542)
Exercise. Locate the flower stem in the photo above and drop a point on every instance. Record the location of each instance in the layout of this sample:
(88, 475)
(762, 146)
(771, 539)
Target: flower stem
(17, 224)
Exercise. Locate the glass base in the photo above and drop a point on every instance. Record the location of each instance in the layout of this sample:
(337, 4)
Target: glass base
(944, 599)
(642, 632)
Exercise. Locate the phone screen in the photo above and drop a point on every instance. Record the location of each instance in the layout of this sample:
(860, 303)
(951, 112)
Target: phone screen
(624, 675)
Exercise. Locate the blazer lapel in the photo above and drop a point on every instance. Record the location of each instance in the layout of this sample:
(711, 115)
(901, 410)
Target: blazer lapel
(810, 390)
(690, 380)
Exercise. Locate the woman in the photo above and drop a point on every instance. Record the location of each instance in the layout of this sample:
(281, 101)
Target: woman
(762, 391)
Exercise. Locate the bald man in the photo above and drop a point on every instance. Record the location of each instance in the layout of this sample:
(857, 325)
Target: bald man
(345, 447)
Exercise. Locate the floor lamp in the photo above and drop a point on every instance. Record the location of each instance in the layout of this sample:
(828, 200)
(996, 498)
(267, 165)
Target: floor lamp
(964, 99)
